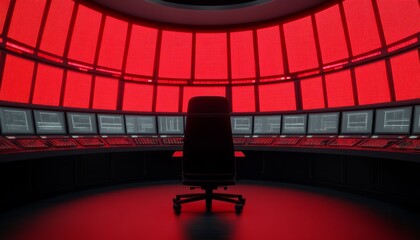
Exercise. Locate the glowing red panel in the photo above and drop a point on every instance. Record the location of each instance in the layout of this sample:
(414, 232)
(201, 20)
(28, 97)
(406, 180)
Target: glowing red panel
(17, 79)
(175, 55)
(362, 27)
(142, 51)
(48, 85)
(372, 83)
(113, 43)
(211, 56)
(85, 35)
(269, 51)
(300, 43)
(190, 92)
(26, 20)
(399, 18)
(406, 73)
(339, 89)
(138, 97)
(277, 97)
(312, 93)
(331, 35)
(243, 99)
(167, 99)
(77, 93)
(57, 27)
(242, 54)
(106, 93)
(3, 12)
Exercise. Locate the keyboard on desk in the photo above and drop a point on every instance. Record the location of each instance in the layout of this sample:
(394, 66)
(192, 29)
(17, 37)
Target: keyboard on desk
(412, 144)
(316, 141)
(146, 141)
(90, 142)
(345, 142)
(261, 141)
(61, 143)
(239, 140)
(287, 141)
(377, 143)
(30, 143)
(173, 141)
(118, 141)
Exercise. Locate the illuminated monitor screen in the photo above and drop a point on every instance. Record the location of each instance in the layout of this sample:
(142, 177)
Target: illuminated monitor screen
(171, 125)
(241, 124)
(357, 122)
(49, 122)
(294, 124)
(416, 127)
(393, 120)
(267, 124)
(16, 121)
(140, 124)
(323, 123)
(111, 124)
(82, 123)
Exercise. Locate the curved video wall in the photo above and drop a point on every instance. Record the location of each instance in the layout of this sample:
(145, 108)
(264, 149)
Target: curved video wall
(71, 54)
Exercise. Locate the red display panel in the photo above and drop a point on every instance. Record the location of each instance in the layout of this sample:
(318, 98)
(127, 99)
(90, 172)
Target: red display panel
(406, 73)
(300, 43)
(211, 56)
(113, 43)
(331, 35)
(17, 79)
(277, 97)
(372, 83)
(142, 51)
(339, 89)
(362, 27)
(138, 97)
(85, 35)
(399, 18)
(243, 99)
(4, 7)
(175, 55)
(270, 55)
(77, 93)
(167, 99)
(48, 85)
(190, 92)
(242, 54)
(26, 21)
(312, 93)
(106, 93)
(57, 27)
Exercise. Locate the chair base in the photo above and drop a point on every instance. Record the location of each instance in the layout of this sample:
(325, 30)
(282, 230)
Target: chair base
(209, 196)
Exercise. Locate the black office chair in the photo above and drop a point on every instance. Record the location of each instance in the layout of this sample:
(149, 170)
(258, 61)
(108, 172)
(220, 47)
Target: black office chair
(208, 159)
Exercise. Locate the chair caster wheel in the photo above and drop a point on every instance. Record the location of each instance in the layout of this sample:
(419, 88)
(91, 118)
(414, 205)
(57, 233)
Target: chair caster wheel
(177, 208)
(238, 208)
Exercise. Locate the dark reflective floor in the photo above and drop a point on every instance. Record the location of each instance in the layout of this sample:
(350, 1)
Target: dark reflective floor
(272, 211)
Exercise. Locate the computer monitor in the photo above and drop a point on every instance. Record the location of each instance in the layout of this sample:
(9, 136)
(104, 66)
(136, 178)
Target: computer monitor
(82, 123)
(294, 124)
(393, 120)
(416, 127)
(49, 122)
(323, 123)
(241, 125)
(111, 124)
(16, 121)
(267, 125)
(140, 124)
(171, 125)
(357, 122)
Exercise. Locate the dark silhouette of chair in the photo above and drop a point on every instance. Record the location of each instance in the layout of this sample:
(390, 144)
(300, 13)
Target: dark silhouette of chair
(208, 155)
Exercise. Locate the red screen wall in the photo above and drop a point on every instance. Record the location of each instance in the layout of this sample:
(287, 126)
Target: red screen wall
(113, 43)
(138, 97)
(312, 93)
(372, 83)
(106, 93)
(167, 99)
(243, 99)
(339, 89)
(211, 56)
(277, 97)
(406, 72)
(269, 51)
(242, 54)
(77, 93)
(175, 55)
(142, 50)
(190, 92)
(3, 13)
(57, 27)
(17, 79)
(48, 85)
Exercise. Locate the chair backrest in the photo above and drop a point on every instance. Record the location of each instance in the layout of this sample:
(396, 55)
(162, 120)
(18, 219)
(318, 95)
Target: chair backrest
(208, 145)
